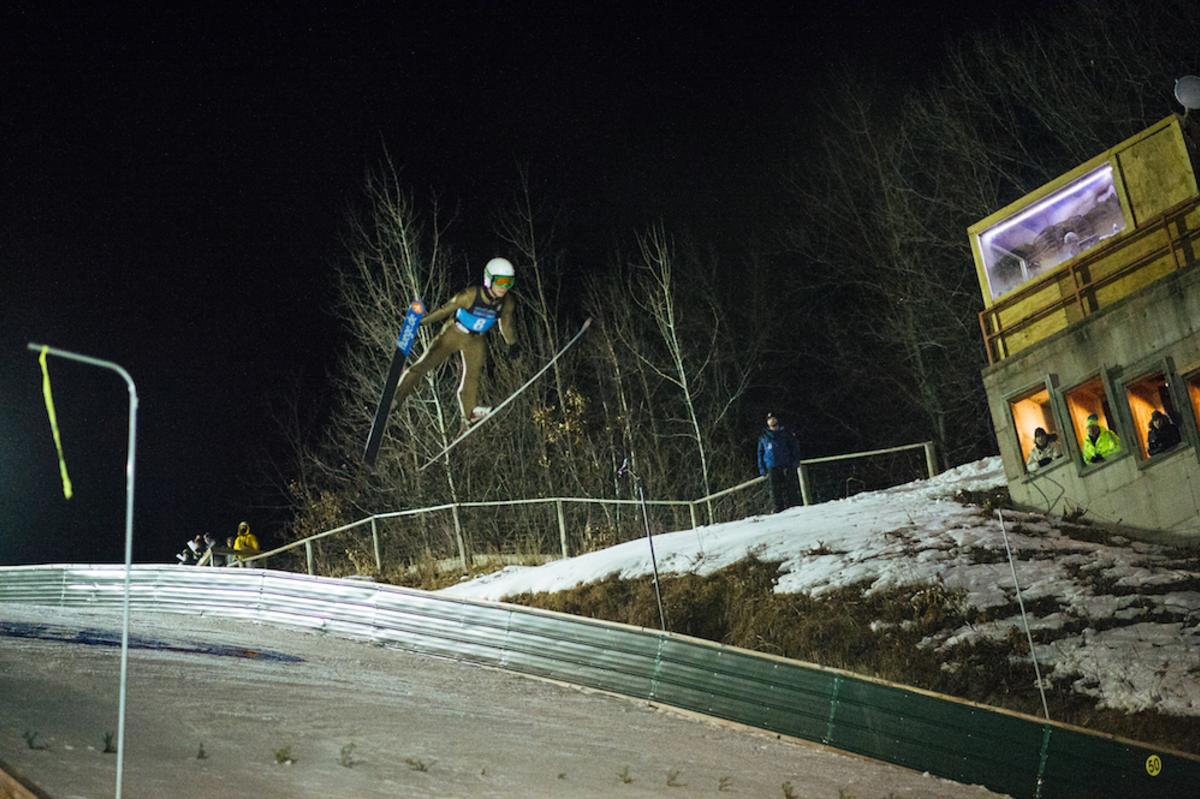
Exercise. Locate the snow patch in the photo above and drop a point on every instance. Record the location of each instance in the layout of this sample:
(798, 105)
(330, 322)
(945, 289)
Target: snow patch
(915, 535)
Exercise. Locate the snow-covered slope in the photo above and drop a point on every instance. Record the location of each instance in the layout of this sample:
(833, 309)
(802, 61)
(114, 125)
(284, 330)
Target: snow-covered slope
(1134, 604)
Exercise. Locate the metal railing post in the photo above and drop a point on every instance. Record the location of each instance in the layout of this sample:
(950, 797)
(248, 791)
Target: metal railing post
(562, 528)
(458, 535)
(987, 339)
(805, 490)
(309, 555)
(692, 511)
(375, 541)
(930, 459)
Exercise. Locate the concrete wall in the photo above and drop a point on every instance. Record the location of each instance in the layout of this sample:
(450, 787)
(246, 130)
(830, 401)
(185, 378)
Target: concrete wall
(1156, 328)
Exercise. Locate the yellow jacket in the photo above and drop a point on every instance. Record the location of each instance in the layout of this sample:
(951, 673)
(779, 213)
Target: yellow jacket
(1105, 444)
(246, 543)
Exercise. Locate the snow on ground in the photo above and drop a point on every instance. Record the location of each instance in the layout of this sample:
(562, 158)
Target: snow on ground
(219, 708)
(1126, 627)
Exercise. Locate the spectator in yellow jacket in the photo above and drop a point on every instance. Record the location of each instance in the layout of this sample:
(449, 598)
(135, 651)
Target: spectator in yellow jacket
(1100, 442)
(246, 543)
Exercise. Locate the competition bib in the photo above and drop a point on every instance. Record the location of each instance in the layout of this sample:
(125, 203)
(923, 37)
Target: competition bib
(476, 320)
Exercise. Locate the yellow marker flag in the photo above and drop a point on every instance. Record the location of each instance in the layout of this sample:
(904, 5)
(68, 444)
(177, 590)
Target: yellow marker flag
(62, 464)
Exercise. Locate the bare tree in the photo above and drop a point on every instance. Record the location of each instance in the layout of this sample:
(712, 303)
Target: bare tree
(684, 346)
(395, 256)
(897, 321)
(531, 231)
(882, 208)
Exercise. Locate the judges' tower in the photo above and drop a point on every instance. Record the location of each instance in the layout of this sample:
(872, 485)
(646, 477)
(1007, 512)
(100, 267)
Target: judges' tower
(1092, 306)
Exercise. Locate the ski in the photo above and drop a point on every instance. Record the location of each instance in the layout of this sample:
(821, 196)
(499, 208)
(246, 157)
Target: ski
(404, 345)
(511, 397)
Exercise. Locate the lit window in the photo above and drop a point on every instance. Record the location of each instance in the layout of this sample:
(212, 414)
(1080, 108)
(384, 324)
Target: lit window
(1038, 238)
(1083, 402)
(1031, 412)
(1193, 388)
(1148, 396)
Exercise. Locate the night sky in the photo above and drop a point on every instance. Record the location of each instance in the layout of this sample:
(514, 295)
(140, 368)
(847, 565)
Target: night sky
(173, 184)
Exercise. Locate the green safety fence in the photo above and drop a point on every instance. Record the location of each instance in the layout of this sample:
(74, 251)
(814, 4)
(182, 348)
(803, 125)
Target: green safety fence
(1011, 753)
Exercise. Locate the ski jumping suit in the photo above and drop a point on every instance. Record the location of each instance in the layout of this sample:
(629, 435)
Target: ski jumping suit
(469, 315)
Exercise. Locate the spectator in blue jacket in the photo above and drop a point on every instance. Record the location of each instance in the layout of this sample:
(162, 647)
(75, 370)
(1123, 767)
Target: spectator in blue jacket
(778, 459)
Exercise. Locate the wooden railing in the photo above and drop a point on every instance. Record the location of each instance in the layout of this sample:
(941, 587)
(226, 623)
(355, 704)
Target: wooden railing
(1079, 292)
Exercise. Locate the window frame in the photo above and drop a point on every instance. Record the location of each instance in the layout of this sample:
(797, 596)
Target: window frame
(1049, 384)
(1189, 425)
(983, 240)
(1164, 367)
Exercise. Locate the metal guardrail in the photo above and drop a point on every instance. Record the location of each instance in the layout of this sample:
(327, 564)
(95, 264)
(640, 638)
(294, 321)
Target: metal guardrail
(974, 744)
(692, 505)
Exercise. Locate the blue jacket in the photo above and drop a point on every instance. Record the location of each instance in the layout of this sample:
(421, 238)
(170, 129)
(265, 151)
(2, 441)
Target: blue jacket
(777, 448)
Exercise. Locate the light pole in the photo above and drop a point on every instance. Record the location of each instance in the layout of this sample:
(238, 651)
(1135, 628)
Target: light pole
(129, 459)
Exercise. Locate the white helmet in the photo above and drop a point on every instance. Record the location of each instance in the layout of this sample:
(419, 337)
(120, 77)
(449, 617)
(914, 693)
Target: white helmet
(499, 267)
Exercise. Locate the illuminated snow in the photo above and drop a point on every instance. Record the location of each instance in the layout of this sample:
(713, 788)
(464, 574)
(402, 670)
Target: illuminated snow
(917, 534)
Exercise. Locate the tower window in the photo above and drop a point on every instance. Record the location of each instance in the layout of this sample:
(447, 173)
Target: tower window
(1084, 401)
(1059, 227)
(1147, 395)
(1029, 412)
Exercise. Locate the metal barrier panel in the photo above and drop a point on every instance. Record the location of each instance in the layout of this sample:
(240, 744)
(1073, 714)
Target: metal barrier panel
(1008, 752)
(1087, 766)
(954, 739)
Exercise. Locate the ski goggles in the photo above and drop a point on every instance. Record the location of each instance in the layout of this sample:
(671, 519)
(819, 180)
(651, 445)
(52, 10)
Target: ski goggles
(504, 281)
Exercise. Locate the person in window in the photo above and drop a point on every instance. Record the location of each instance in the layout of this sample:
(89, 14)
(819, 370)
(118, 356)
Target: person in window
(778, 459)
(1045, 450)
(1100, 442)
(1163, 433)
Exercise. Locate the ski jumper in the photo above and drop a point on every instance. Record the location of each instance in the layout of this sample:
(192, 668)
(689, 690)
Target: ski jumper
(468, 317)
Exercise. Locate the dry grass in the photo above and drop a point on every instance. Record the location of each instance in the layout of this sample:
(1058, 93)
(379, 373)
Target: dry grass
(989, 500)
(874, 635)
